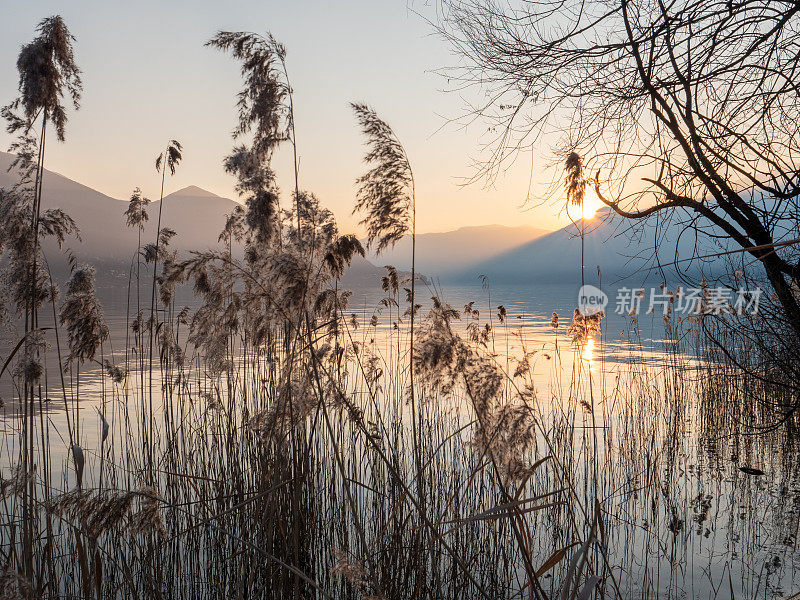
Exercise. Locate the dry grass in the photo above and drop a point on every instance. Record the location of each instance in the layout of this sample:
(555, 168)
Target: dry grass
(271, 442)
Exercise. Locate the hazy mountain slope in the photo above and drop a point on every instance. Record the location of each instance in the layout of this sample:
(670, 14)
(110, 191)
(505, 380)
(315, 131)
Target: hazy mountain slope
(195, 214)
(442, 254)
(609, 244)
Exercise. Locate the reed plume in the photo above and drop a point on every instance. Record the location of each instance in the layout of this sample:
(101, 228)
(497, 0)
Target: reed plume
(100, 511)
(30, 367)
(443, 361)
(574, 181)
(82, 315)
(340, 253)
(16, 483)
(256, 185)
(266, 114)
(47, 73)
(390, 283)
(584, 326)
(14, 586)
(575, 184)
(352, 570)
(386, 191)
(136, 213)
(148, 519)
(96, 512)
(170, 157)
(262, 103)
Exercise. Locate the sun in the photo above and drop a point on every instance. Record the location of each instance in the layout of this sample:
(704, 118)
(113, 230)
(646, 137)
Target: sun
(591, 204)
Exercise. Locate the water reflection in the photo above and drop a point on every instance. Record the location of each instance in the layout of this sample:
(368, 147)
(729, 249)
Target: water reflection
(683, 520)
(588, 352)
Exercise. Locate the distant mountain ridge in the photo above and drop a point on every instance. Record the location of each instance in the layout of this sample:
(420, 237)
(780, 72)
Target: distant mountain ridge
(613, 250)
(439, 255)
(196, 215)
(509, 255)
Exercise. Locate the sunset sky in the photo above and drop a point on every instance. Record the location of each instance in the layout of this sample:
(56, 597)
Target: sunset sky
(148, 78)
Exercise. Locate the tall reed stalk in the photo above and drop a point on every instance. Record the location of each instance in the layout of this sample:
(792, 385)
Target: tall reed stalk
(47, 72)
(268, 450)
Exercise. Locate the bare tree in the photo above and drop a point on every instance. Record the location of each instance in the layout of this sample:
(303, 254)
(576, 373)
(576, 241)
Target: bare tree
(678, 109)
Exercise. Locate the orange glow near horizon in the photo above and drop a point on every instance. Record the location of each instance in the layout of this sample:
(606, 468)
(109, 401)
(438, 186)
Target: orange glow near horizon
(588, 208)
(591, 204)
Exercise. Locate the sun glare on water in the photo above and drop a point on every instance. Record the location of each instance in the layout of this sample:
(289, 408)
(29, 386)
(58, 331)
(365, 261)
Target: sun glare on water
(588, 351)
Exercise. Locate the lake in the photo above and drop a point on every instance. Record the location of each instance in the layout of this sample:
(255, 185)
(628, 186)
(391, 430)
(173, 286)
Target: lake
(628, 435)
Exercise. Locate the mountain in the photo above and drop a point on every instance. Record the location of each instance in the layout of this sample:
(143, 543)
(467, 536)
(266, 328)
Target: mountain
(196, 215)
(442, 254)
(611, 246)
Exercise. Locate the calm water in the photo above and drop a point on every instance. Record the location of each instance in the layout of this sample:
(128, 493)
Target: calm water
(529, 309)
(683, 520)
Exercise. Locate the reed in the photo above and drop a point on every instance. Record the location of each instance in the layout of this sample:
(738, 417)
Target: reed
(270, 440)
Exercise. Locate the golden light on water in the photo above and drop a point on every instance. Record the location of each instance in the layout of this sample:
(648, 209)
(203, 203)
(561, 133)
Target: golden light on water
(588, 351)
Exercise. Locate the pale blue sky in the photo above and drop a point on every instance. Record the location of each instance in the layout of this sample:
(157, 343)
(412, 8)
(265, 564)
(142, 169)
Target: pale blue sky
(148, 77)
